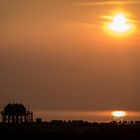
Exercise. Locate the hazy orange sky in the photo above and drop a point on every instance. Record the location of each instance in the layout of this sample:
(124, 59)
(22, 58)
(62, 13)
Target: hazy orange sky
(55, 55)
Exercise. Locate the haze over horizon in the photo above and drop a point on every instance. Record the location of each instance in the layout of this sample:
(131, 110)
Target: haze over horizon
(55, 55)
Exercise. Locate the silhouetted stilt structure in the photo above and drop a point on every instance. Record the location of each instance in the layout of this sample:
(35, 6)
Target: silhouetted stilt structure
(16, 114)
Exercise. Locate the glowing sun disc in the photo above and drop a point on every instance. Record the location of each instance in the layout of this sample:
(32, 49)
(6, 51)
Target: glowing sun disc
(119, 24)
(119, 114)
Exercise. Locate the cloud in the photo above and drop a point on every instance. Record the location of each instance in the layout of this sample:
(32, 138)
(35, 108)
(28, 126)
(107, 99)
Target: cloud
(100, 3)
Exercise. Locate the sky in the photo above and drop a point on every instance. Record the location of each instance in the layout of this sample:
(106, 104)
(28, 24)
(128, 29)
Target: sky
(56, 55)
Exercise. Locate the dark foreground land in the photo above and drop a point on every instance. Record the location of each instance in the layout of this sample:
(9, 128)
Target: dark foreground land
(71, 130)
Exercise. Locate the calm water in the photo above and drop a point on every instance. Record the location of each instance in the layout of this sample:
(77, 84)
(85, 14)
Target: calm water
(83, 115)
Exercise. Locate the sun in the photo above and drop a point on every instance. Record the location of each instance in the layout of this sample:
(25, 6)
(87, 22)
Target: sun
(120, 24)
(119, 114)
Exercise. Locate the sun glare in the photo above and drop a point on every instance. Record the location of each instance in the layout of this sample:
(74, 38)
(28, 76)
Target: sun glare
(119, 114)
(120, 24)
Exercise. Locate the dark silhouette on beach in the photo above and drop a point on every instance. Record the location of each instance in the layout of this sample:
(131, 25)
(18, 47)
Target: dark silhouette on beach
(64, 129)
(16, 113)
